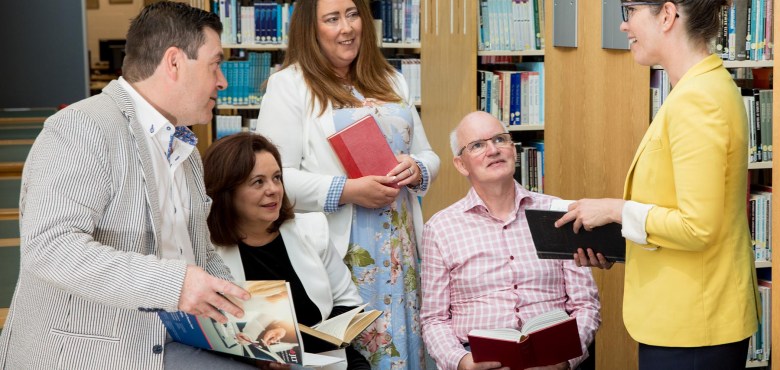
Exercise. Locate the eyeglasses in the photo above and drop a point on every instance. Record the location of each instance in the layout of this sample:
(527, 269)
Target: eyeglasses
(477, 147)
(628, 7)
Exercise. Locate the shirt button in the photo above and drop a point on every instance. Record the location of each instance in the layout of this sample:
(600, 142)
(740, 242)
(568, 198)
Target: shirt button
(157, 349)
(506, 227)
(387, 300)
(517, 310)
(387, 263)
(515, 286)
(168, 128)
(511, 257)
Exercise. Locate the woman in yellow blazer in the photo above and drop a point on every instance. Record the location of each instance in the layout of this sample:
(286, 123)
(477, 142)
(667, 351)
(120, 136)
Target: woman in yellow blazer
(690, 296)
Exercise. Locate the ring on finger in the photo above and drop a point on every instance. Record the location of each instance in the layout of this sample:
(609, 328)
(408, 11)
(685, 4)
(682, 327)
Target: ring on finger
(411, 172)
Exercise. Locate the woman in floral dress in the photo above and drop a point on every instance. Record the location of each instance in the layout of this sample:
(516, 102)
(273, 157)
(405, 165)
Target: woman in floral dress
(334, 74)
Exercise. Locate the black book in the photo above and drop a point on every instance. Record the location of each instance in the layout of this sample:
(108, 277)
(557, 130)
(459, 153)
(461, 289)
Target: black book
(561, 243)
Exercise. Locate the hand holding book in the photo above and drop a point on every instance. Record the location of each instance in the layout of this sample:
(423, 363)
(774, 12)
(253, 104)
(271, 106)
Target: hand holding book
(547, 339)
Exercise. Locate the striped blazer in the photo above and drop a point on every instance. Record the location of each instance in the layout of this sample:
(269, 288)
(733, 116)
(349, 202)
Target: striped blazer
(91, 278)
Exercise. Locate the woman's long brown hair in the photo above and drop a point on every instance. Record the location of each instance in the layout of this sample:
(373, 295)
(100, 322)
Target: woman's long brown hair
(369, 73)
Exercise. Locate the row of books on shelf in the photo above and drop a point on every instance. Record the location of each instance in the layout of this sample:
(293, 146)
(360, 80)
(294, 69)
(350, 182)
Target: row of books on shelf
(760, 211)
(400, 20)
(410, 68)
(257, 22)
(529, 165)
(760, 345)
(515, 97)
(746, 31)
(245, 79)
(511, 25)
(758, 105)
(229, 125)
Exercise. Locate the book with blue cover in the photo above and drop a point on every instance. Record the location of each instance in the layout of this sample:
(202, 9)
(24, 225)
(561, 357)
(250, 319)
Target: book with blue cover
(267, 332)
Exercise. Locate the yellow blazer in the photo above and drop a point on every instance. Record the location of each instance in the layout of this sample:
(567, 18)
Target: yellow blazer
(698, 288)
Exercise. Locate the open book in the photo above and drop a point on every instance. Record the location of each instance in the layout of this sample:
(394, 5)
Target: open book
(268, 331)
(547, 339)
(339, 331)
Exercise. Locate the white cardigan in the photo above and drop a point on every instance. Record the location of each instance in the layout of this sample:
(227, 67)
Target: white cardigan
(308, 160)
(324, 275)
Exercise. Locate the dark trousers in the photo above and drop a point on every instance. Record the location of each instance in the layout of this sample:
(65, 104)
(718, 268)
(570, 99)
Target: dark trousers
(721, 357)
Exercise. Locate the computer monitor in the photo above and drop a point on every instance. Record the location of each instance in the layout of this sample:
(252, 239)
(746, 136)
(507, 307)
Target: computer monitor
(113, 52)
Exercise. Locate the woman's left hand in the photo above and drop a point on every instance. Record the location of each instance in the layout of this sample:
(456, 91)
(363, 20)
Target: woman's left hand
(590, 213)
(407, 172)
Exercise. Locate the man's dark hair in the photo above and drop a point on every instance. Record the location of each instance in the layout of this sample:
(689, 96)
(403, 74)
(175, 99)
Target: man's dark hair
(160, 26)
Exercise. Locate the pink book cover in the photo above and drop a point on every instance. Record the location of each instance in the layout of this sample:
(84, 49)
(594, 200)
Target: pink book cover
(363, 149)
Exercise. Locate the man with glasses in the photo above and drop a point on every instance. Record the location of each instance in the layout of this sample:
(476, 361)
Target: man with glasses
(479, 264)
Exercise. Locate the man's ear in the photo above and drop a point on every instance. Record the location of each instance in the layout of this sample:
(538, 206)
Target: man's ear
(458, 162)
(172, 60)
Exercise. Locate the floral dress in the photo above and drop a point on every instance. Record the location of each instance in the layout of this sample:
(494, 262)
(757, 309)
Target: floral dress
(382, 253)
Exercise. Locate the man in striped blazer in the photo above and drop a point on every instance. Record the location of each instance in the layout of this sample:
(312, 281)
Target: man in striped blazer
(113, 212)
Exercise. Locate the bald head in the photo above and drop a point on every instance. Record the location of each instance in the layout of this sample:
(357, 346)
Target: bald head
(469, 123)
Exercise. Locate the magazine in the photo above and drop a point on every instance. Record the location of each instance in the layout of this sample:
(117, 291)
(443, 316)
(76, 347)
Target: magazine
(267, 332)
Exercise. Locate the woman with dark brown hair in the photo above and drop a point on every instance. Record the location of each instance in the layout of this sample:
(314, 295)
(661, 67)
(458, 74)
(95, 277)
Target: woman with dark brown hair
(260, 238)
(333, 75)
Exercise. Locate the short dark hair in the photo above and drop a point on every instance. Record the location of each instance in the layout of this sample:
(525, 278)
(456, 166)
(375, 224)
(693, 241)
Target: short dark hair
(160, 26)
(702, 17)
(226, 165)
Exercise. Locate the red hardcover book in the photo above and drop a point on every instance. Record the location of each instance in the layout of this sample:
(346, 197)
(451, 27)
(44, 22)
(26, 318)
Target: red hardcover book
(547, 339)
(363, 149)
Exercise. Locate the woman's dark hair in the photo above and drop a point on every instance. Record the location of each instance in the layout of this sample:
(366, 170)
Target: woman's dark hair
(702, 17)
(227, 164)
(160, 26)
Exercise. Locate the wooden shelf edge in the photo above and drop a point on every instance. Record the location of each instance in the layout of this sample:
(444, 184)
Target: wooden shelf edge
(231, 106)
(759, 165)
(515, 128)
(3, 315)
(8, 169)
(763, 264)
(400, 45)
(269, 47)
(520, 53)
(22, 120)
(751, 364)
(9, 213)
(10, 242)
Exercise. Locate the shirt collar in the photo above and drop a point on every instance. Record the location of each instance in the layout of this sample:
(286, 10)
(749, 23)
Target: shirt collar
(153, 121)
(474, 202)
(149, 118)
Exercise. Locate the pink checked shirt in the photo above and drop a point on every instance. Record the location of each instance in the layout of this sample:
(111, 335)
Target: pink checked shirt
(479, 272)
